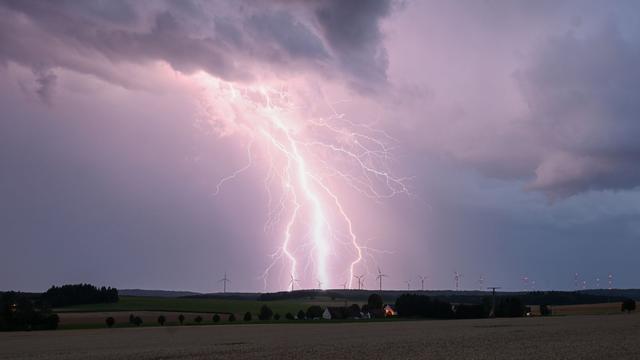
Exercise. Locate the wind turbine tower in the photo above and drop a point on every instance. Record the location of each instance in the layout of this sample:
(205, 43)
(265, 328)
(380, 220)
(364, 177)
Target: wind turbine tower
(422, 279)
(360, 280)
(224, 281)
(380, 276)
(292, 282)
(457, 276)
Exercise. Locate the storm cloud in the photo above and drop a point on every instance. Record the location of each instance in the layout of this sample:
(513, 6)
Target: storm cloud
(226, 39)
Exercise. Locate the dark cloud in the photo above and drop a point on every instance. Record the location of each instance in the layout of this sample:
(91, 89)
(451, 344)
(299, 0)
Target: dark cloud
(46, 80)
(352, 29)
(228, 40)
(584, 98)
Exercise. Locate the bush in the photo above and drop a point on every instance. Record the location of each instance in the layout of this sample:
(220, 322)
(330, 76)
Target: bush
(353, 311)
(375, 302)
(198, 319)
(232, 318)
(216, 318)
(181, 319)
(137, 321)
(314, 312)
(131, 318)
(161, 320)
(301, 315)
(51, 322)
(265, 313)
(247, 316)
(110, 321)
(289, 316)
(628, 305)
(276, 316)
(545, 310)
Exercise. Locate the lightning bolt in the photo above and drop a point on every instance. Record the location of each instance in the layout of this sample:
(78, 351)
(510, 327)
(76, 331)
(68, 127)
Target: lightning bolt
(308, 158)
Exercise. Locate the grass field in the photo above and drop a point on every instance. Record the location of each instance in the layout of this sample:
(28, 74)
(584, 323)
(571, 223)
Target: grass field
(556, 337)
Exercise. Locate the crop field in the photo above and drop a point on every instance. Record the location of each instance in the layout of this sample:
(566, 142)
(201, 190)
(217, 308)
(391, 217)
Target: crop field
(561, 337)
(149, 308)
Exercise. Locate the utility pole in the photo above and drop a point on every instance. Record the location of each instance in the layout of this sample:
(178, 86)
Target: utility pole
(493, 300)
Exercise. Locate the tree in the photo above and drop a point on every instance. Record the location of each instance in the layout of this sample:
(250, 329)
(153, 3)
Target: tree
(265, 313)
(19, 312)
(137, 321)
(131, 318)
(301, 315)
(232, 318)
(510, 306)
(545, 310)
(276, 316)
(110, 321)
(161, 320)
(79, 294)
(412, 305)
(314, 312)
(247, 316)
(628, 305)
(354, 311)
(181, 319)
(216, 318)
(375, 302)
(289, 316)
(198, 319)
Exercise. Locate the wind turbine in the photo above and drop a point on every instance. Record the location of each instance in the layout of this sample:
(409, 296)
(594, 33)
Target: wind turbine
(422, 279)
(344, 286)
(457, 276)
(224, 281)
(380, 276)
(293, 281)
(319, 284)
(360, 280)
(408, 282)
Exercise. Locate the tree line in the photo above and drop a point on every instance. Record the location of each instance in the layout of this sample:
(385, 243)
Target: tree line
(67, 295)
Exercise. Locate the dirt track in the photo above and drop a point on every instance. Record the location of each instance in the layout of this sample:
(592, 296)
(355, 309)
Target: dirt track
(576, 337)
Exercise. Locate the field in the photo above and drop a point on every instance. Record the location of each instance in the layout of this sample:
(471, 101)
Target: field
(149, 308)
(561, 337)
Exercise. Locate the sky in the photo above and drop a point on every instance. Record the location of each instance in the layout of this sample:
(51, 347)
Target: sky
(160, 144)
